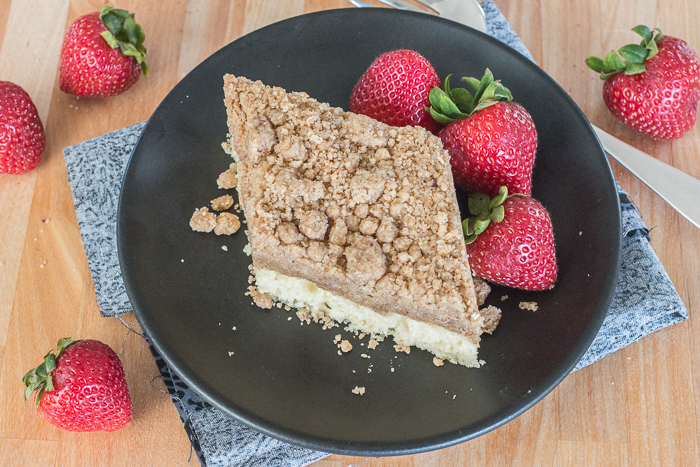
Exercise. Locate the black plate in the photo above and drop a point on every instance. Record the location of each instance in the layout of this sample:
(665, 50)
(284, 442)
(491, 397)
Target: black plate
(287, 380)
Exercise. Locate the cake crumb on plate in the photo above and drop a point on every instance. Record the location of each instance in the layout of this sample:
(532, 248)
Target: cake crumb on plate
(532, 306)
(359, 390)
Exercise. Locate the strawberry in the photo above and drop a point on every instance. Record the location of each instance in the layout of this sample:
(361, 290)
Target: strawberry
(22, 138)
(510, 241)
(659, 90)
(395, 89)
(80, 388)
(491, 140)
(102, 54)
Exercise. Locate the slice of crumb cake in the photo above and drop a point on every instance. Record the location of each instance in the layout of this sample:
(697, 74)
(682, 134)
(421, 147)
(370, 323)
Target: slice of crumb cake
(353, 219)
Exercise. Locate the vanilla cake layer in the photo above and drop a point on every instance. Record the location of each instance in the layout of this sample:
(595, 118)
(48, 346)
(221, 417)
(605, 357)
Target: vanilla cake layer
(300, 293)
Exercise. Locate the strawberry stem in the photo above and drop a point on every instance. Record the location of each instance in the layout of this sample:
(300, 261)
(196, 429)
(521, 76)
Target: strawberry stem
(483, 210)
(451, 104)
(39, 378)
(634, 55)
(123, 32)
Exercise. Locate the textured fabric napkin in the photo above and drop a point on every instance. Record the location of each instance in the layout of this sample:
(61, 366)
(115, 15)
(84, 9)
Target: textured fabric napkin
(644, 301)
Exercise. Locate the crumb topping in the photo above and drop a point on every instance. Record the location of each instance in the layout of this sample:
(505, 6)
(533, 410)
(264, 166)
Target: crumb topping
(482, 289)
(227, 224)
(492, 315)
(438, 361)
(358, 390)
(222, 203)
(360, 206)
(228, 179)
(202, 220)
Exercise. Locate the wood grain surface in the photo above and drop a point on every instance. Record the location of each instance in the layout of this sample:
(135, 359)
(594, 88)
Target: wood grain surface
(637, 407)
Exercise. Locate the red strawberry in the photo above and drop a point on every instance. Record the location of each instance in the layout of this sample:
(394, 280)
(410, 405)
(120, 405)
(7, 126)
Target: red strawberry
(395, 89)
(102, 54)
(510, 241)
(81, 388)
(491, 140)
(21, 132)
(659, 90)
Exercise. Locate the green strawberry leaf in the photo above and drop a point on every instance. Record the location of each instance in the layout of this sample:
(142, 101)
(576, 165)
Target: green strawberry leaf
(463, 100)
(643, 31)
(633, 53)
(635, 68)
(472, 82)
(477, 203)
(498, 213)
(446, 85)
(652, 49)
(438, 117)
(499, 198)
(595, 63)
(612, 61)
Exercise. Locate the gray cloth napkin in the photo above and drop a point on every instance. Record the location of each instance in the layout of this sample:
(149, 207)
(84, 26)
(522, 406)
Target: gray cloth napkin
(645, 300)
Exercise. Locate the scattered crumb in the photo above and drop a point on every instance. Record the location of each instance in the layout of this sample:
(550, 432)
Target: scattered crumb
(492, 316)
(358, 390)
(532, 306)
(364, 355)
(345, 346)
(230, 353)
(202, 220)
(247, 250)
(228, 179)
(227, 224)
(234, 328)
(222, 203)
(289, 319)
(453, 397)
(392, 370)
(337, 338)
(482, 289)
(580, 233)
(362, 335)
(372, 344)
(438, 361)
(262, 300)
(224, 247)
(403, 348)
(287, 308)
(504, 298)
(304, 315)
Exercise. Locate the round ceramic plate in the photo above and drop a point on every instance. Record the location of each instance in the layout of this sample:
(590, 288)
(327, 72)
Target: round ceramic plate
(287, 380)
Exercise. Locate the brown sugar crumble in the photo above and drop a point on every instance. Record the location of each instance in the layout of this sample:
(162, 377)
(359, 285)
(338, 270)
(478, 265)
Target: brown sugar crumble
(372, 344)
(358, 390)
(222, 203)
(202, 220)
(482, 289)
(262, 300)
(438, 361)
(228, 179)
(227, 224)
(492, 316)
(532, 306)
(403, 348)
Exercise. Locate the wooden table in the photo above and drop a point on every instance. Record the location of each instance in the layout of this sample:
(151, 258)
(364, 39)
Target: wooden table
(639, 406)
